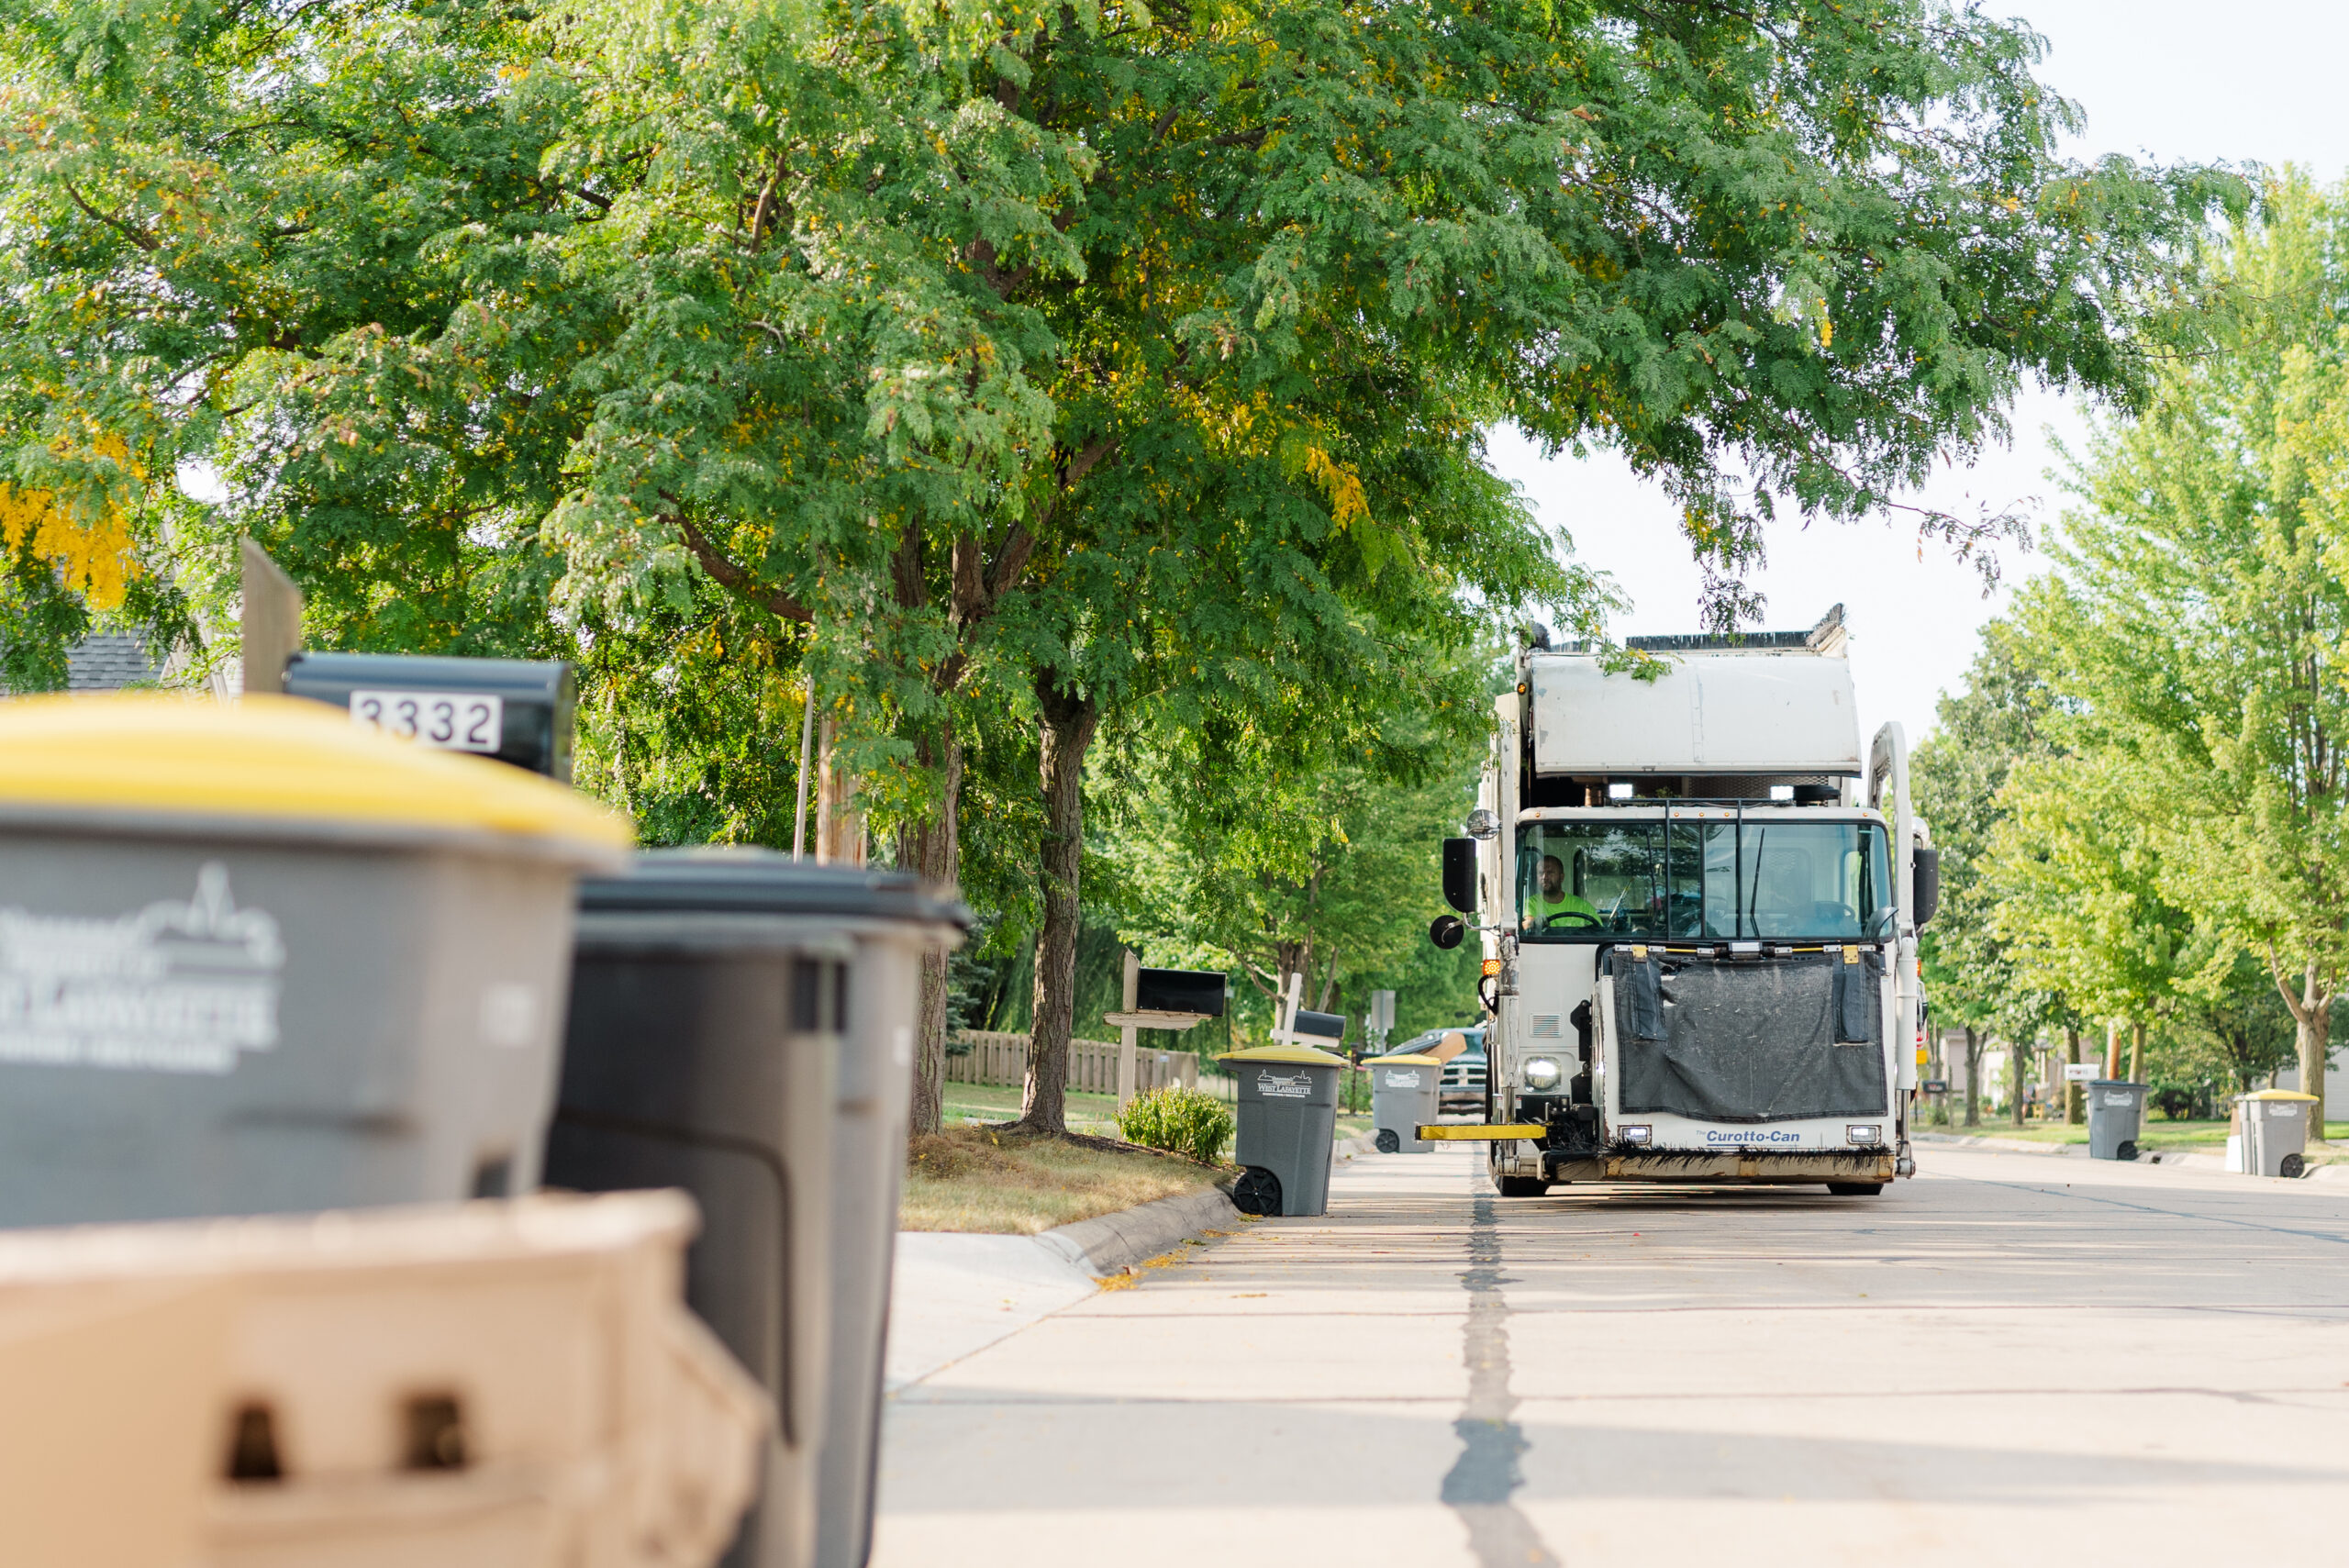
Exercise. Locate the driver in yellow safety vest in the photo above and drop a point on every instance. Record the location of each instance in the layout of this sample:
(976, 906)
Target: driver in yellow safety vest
(1553, 897)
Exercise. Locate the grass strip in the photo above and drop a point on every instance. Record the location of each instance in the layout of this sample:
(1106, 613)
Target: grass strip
(975, 1179)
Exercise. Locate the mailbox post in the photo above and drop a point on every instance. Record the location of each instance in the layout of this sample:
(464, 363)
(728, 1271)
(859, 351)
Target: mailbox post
(1176, 999)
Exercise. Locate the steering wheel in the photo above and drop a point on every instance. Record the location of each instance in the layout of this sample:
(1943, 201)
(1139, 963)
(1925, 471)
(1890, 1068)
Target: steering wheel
(1585, 916)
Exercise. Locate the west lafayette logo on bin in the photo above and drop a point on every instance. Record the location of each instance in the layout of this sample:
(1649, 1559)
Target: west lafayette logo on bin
(2117, 1097)
(174, 988)
(1297, 1087)
(1403, 1080)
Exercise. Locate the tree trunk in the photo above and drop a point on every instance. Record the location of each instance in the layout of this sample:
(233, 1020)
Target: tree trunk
(2137, 1052)
(1065, 721)
(2019, 1071)
(1973, 1078)
(929, 847)
(2073, 1106)
(2311, 1033)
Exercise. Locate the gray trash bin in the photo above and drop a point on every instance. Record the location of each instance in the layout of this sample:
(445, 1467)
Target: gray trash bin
(1288, 1123)
(1402, 1100)
(2274, 1127)
(742, 1027)
(253, 959)
(2115, 1108)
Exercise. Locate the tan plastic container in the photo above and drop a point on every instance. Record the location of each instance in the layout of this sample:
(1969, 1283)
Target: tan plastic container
(103, 1380)
(500, 1384)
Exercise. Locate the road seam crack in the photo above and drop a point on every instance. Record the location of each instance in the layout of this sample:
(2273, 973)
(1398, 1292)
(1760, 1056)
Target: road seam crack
(1482, 1480)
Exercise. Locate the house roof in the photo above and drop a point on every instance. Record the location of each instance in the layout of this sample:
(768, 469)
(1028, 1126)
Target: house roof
(109, 661)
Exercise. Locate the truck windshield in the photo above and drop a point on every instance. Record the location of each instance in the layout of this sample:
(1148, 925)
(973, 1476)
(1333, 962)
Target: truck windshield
(1757, 878)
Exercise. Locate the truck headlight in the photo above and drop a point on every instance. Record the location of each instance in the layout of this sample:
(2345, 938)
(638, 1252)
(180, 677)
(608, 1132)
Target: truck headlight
(1638, 1135)
(1541, 1072)
(1866, 1134)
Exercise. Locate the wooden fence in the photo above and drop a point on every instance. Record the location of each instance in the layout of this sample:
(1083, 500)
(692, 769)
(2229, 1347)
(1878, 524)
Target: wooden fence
(1000, 1058)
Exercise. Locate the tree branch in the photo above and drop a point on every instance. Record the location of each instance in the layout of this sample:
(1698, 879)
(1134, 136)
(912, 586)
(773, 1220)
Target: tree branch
(1016, 550)
(733, 576)
(138, 236)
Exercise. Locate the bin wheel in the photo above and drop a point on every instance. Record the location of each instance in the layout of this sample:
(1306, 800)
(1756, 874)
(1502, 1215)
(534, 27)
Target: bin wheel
(1524, 1186)
(2292, 1166)
(1855, 1189)
(1389, 1140)
(1257, 1191)
(2128, 1150)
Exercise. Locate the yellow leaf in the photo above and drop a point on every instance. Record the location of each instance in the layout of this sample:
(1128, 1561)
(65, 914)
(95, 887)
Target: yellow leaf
(97, 561)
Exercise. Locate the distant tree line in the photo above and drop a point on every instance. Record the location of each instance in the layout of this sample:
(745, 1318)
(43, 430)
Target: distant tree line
(2141, 795)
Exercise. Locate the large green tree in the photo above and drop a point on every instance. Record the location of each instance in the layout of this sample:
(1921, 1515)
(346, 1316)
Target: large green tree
(509, 329)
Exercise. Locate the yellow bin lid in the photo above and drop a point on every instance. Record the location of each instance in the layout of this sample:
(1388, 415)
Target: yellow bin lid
(273, 762)
(1411, 1061)
(2278, 1094)
(1294, 1055)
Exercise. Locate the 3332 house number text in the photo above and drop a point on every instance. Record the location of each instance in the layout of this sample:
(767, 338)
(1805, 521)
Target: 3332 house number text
(453, 721)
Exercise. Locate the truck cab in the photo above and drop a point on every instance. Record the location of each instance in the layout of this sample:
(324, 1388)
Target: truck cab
(1698, 903)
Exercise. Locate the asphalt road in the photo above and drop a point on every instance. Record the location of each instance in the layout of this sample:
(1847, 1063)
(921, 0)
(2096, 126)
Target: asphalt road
(2013, 1357)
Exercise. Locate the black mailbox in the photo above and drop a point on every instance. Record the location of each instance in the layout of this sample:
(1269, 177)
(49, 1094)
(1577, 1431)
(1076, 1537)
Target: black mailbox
(1180, 990)
(1321, 1026)
(517, 710)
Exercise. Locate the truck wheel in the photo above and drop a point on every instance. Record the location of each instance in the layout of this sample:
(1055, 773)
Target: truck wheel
(1524, 1186)
(1257, 1192)
(1389, 1141)
(1855, 1189)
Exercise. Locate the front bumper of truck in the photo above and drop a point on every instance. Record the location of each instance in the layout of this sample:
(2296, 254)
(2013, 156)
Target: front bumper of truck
(1564, 1139)
(1759, 1166)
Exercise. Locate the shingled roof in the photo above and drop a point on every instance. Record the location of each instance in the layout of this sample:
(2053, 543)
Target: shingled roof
(109, 661)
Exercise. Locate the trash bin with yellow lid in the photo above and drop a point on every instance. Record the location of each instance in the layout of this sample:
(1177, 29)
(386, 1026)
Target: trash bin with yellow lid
(2268, 1133)
(1287, 1116)
(1403, 1098)
(255, 959)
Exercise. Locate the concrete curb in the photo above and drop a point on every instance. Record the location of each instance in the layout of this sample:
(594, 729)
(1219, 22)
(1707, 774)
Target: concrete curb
(1982, 1141)
(1112, 1244)
(2167, 1159)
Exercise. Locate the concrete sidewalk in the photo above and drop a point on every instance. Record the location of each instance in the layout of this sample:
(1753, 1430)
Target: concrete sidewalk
(954, 1294)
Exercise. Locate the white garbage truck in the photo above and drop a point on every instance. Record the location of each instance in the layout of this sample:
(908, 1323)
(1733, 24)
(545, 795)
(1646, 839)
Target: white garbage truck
(1698, 903)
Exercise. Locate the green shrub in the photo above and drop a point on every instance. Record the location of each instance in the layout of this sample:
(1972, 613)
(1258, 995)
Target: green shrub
(1182, 1120)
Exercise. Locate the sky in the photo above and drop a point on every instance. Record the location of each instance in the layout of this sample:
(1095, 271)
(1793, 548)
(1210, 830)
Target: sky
(2168, 80)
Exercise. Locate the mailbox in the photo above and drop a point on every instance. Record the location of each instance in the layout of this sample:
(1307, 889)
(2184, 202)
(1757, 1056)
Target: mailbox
(1180, 990)
(515, 710)
(1320, 1025)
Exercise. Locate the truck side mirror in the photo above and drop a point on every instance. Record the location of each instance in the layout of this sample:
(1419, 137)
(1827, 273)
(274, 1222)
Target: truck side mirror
(1447, 930)
(1460, 875)
(1928, 885)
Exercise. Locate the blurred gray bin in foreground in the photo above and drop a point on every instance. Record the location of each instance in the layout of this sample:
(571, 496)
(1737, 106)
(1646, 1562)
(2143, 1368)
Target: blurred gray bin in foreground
(253, 961)
(2115, 1109)
(742, 1027)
